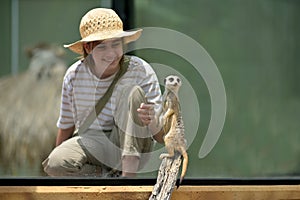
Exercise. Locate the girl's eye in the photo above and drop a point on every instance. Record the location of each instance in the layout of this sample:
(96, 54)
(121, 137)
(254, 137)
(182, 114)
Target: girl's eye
(101, 47)
(116, 44)
(104, 46)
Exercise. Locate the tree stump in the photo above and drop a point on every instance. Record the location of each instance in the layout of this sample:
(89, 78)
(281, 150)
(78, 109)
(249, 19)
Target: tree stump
(166, 178)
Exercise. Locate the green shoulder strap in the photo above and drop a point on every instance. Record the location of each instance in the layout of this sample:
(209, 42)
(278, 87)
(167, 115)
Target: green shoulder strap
(102, 101)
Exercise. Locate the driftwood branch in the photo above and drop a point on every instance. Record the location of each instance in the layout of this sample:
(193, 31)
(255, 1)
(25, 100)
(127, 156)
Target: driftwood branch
(166, 179)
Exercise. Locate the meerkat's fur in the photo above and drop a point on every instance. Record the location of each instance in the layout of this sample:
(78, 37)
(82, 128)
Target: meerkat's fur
(172, 122)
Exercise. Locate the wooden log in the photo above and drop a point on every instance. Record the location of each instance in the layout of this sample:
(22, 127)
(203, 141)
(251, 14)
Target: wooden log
(166, 178)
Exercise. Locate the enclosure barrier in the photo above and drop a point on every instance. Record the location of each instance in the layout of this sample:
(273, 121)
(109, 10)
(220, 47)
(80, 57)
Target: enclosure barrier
(132, 189)
(143, 192)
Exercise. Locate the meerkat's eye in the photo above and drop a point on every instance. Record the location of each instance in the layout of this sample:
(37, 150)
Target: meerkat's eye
(171, 79)
(178, 80)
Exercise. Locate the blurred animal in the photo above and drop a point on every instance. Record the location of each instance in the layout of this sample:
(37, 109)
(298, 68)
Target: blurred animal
(29, 106)
(172, 122)
(45, 60)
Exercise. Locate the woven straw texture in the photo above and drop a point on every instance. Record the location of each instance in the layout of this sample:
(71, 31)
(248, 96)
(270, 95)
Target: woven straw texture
(101, 24)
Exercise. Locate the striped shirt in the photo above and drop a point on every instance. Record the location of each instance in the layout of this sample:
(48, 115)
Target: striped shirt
(81, 90)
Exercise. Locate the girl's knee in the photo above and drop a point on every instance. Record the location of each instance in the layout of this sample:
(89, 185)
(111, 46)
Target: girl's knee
(57, 165)
(53, 166)
(137, 96)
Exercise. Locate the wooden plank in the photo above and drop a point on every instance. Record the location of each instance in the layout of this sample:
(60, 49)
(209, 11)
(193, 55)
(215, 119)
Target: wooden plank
(287, 192)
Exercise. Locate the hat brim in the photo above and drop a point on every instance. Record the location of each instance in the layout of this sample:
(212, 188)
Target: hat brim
(128, 36)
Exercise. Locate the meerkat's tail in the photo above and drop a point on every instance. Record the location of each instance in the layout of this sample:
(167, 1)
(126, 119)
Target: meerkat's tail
(184, 167)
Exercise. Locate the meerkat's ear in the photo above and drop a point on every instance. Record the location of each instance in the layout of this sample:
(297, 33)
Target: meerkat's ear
(165, 81)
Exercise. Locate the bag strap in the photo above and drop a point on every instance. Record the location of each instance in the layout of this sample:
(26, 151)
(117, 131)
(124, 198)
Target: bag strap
(102, 101)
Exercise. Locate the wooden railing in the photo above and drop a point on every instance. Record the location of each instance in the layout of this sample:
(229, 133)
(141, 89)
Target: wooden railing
(144, 192)
(53, 189)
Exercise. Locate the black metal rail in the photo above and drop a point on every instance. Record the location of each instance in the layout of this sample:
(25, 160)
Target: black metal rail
(49, 181)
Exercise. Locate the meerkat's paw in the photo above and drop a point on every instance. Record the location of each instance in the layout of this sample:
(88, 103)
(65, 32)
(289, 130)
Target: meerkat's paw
(163, 155)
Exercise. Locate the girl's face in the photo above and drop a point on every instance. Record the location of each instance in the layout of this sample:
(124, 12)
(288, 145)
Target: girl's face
(107, 55)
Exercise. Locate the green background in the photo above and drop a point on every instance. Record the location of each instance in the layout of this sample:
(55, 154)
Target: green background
(254, 43)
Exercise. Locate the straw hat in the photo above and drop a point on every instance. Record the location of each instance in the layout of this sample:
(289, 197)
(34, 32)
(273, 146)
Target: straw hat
(101, 24)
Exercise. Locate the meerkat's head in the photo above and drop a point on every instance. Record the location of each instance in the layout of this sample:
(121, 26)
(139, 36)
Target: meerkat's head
(173, 83)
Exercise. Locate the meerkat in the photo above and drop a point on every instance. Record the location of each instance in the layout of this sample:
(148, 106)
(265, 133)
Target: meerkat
(171, 120)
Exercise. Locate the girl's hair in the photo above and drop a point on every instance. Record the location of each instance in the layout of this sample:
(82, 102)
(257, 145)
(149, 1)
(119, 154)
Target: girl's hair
(94, 44)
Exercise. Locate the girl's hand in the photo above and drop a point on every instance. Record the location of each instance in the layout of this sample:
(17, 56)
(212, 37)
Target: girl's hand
(146, 113)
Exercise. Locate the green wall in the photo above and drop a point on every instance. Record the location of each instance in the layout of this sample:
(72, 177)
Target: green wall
(5, 38)
(42, 21)
(255, 44)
